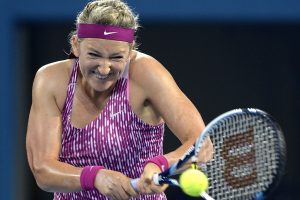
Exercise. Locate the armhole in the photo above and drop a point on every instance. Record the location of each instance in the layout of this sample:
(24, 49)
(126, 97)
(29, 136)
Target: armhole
(126, 75)
(70, 88)
(127, 88)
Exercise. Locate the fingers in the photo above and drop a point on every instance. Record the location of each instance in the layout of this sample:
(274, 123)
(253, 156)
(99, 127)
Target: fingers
(146, 184)
(114, 185)
(129, 190)
(206, 151)
(118, 192)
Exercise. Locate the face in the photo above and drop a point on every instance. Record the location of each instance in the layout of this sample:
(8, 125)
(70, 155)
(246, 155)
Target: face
(102, 62)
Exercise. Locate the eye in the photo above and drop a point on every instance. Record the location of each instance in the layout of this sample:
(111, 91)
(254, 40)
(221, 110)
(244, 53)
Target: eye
(117, 57)
(92, 54)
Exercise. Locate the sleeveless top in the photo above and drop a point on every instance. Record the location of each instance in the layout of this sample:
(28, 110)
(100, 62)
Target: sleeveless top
(117, 139)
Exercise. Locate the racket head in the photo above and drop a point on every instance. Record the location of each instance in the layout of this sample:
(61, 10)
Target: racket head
(249, 156)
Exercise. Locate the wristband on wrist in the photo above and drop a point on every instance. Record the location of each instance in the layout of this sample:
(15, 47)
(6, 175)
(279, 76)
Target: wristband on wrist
(160, 161)
(88, 176)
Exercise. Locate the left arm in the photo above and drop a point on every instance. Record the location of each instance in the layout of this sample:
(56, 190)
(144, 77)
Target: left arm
(179, 113)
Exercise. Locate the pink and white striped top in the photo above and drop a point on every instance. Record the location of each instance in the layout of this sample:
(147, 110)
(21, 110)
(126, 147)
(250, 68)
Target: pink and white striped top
(117, 139)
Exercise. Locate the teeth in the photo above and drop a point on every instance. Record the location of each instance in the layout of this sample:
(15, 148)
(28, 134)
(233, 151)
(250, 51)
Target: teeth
(102, 76)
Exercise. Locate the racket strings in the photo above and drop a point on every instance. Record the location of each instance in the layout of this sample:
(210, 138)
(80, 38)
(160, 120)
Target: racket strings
(245, 160)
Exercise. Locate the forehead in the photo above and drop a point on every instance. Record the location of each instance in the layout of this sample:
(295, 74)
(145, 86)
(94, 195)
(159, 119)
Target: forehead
(103, 45)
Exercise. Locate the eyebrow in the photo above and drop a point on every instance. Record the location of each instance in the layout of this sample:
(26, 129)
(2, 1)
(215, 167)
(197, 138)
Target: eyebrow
(113, 54)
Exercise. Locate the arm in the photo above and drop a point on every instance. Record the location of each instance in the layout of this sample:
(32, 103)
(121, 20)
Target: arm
(176, 110)
(43, 141)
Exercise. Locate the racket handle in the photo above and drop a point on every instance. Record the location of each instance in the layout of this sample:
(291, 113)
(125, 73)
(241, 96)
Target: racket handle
(134, 182)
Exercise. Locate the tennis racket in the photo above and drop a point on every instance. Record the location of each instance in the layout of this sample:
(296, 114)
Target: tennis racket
(249, 156)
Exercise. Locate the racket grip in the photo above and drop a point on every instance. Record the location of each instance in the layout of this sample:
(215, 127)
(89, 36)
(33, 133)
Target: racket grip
(134, 182)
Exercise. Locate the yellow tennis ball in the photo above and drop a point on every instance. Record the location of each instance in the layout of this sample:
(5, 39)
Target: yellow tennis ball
(193, 182)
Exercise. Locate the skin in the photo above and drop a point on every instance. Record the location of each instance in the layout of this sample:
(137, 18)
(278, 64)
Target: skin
(154, 97)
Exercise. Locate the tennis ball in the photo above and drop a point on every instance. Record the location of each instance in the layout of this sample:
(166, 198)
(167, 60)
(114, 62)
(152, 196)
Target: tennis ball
(193, 182)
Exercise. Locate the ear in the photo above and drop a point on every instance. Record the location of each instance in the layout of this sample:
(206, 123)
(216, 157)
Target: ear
(131, 48)
(132, 45)
(75, 45)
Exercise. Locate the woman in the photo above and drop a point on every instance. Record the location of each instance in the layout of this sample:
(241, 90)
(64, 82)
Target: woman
(97, 120)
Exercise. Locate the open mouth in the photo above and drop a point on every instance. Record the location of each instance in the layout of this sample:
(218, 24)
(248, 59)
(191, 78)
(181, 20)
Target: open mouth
(102, 76)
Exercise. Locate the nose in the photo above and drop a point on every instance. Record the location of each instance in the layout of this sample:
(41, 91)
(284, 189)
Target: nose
(104, 67)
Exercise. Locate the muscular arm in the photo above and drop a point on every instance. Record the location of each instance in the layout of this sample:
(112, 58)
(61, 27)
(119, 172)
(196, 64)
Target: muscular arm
(43, 141)
(172, 105)
(159, 90)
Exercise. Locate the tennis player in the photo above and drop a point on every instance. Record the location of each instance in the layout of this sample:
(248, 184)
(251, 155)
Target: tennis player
(97, 119)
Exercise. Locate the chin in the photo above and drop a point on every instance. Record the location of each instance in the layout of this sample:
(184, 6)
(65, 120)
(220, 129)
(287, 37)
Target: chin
(104, 86)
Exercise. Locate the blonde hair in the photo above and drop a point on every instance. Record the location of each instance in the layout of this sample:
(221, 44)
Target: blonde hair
(108, 12)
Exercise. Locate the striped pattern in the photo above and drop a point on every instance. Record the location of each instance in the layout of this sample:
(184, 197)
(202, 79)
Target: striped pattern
(116, 139)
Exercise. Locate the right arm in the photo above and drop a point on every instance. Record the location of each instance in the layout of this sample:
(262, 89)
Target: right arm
(43, 141)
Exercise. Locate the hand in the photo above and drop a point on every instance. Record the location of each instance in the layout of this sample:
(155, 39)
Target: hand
(206, 151)
(114, 185)
(146, 185)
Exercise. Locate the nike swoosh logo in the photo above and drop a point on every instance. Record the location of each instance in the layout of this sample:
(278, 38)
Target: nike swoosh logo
(115, 114)
(109, 33)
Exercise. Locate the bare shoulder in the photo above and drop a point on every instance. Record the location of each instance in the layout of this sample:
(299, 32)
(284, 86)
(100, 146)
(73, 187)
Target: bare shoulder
(149, 81)
(157, 87)
(145, 69)
(52, 79)
(142, 61)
